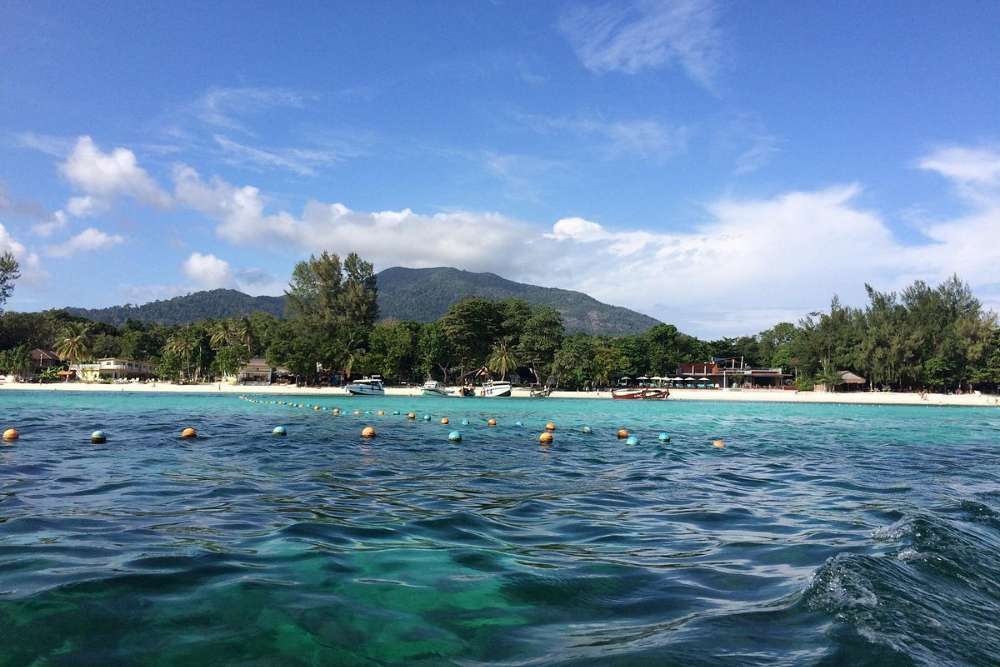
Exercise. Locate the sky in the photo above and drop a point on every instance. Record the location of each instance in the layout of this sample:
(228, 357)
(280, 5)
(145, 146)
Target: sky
(719, 166)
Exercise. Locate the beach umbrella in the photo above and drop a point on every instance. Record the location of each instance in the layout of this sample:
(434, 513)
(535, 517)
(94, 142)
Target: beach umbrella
(677, 379)
(702, 379)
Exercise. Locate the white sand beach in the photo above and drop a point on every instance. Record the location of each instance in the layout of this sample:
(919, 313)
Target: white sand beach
(747, 395)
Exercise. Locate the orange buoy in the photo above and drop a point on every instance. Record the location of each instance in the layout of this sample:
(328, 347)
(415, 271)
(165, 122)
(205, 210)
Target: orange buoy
(546, 438)
(189, 433)
(550, 426)
(491, 422)
(444, 420)
(368, 432)
(11, 434)
(718, 443)
(622, 433)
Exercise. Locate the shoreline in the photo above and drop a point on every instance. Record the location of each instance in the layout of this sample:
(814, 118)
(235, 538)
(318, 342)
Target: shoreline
(745, 395)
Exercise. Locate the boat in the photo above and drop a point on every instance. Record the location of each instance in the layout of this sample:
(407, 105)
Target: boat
(435, 388)
(491, 389)
(369, 386)
(543, 392)
(641, 394)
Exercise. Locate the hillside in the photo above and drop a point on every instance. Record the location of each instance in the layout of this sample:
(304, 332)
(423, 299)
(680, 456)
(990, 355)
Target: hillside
(425, 294)
(211, 304)
(405, 294)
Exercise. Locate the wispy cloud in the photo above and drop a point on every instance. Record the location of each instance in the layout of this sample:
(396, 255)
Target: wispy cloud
(223, 107)
(643, 137)
(302, 161)
(521, 174)
(646, 34)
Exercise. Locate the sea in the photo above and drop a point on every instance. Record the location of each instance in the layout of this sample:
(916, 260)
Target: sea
(815, 535)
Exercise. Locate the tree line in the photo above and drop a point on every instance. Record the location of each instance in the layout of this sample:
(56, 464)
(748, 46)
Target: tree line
(925, 337)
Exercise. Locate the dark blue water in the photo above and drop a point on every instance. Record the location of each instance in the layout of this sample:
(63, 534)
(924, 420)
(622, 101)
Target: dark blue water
(824, 535)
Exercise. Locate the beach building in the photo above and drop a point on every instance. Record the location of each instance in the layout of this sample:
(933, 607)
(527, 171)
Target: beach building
(256, 371)
(113, 368)
(42, 360)
(848, 382)
(729, 373)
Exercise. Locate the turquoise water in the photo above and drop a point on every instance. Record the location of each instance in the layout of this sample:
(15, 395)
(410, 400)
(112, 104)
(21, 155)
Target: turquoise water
(820, 535)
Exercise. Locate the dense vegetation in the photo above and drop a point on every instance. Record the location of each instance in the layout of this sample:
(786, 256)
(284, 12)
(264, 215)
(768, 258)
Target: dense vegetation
(926, 337)
(421, 295)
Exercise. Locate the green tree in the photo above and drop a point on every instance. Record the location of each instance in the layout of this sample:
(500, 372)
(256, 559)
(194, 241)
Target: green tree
(73, 345)
(10, 272)
(502, 359)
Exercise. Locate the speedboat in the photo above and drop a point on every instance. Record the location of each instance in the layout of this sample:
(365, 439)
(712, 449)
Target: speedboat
(369, 386)
(491, 389)
(435, 388)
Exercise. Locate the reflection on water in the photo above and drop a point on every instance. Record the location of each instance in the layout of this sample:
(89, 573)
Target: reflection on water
(821, 534)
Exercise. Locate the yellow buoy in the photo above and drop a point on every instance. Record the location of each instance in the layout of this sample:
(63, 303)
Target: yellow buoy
(622, 433)
(368, 432)
(491, 422)
(11, 434)
(551, 426)
(546, 438)
(719, 444)
(444, 420)
(381, 413)
(189, 433)
(316, 407)
(411, 415)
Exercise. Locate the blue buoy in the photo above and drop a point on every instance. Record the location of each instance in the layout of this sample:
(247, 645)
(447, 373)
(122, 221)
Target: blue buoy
(279, 430)
(465, 422)
(427, 418)
(632, 440)
(586, 429)
(518, 424)
(98, 437)
(454, 436)
(663, 437)
(395, 412)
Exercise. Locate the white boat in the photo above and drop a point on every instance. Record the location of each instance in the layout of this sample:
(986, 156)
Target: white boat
(371, 386)
(435, 388)
(491, 389)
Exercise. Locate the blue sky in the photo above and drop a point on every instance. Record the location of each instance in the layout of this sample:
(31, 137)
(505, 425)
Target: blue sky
(721, 166)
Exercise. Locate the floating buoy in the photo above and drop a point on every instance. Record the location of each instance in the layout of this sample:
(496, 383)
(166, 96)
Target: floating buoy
(622, 434)
(491, 422)
(98, 437)
(719, 444)
(189, 433)
(368, 432)
(395, 412)
(444, 420)
(357, 413)
(336, 412)
(11, 434)
(663, 437)
(279, 430)
(550, 426)
(585, 429)
(317, 408)
(518, 423)
(427, 418)
(465, 422)
(454, 436)
(381, 413)
(411, 415)
(631, 440)
(546, 438)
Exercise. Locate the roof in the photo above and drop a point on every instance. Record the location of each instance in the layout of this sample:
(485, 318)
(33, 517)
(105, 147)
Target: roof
(44, 355)
(848, 377)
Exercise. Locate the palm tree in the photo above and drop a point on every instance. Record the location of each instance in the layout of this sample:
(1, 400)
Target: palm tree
(181, 344)
(502, 359)
(243, 334)
(220, 335)
(73, 344)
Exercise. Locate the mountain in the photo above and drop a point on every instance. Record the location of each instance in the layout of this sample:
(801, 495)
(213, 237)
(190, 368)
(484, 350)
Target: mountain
(209, 305)
(425, 294)
(405, 294)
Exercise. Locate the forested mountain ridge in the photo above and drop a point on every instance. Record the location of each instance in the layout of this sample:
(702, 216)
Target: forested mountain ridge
(423, 295)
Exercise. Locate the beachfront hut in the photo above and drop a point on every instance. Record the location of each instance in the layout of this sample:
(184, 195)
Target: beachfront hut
(848, 382)
(256, 370)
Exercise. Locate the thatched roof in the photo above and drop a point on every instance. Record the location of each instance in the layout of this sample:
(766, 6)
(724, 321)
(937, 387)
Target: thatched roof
(847, 377)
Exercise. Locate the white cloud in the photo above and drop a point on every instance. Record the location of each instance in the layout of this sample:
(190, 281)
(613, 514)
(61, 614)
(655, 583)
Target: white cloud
(31, 266)
(971, 166)
(103, 176)
(208, 271)
(88, 240)
(56, 222)
(629, 37)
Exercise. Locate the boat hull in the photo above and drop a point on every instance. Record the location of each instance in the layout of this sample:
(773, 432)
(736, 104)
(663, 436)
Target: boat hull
(640, 394)
(495, 390)
(363, 390)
